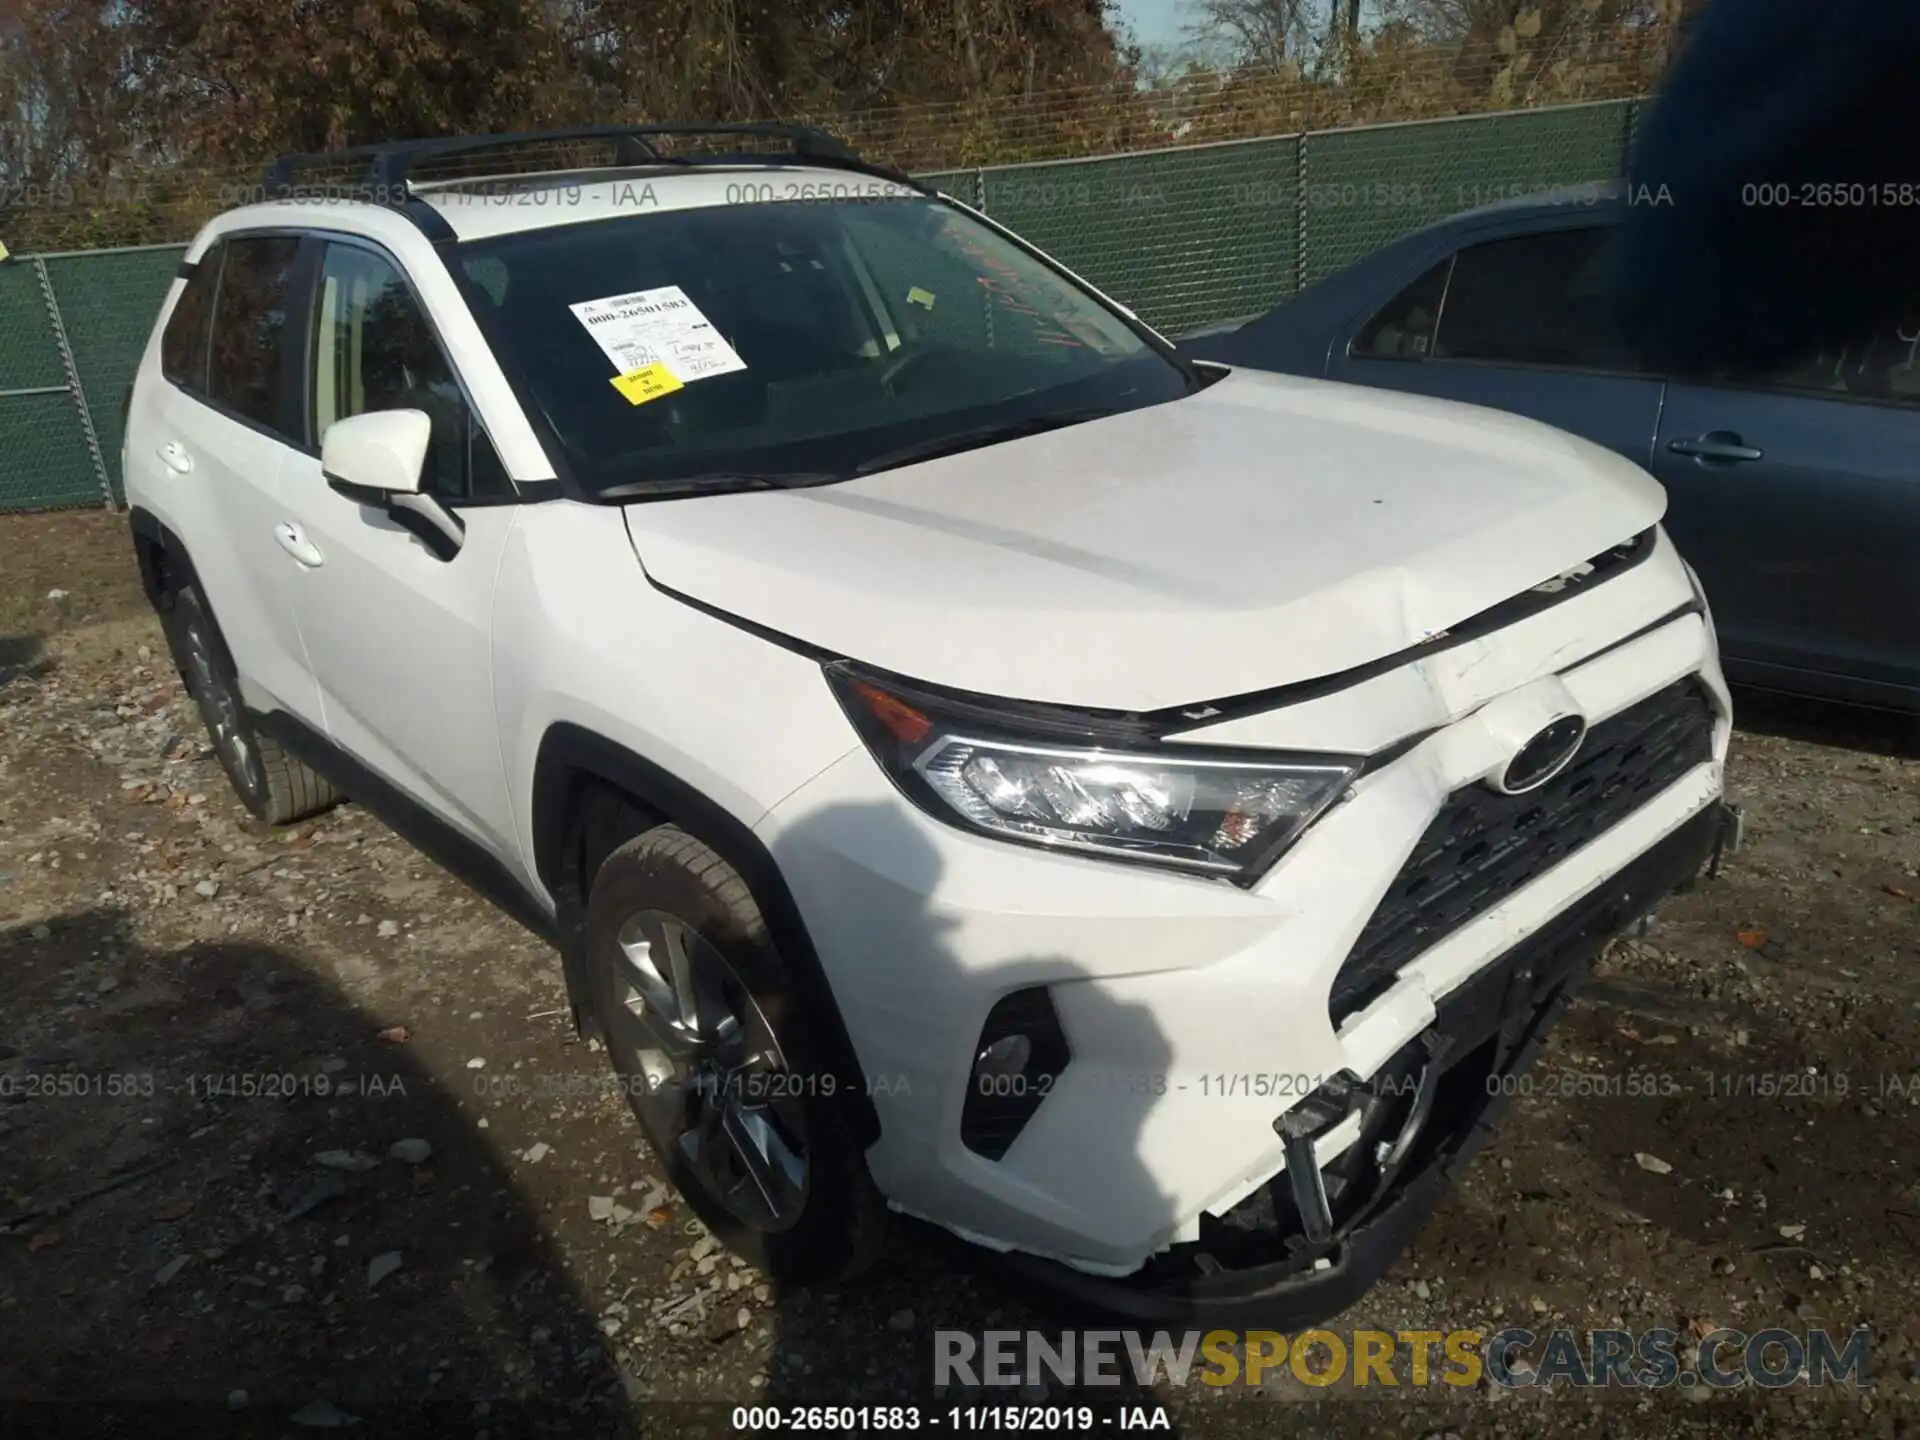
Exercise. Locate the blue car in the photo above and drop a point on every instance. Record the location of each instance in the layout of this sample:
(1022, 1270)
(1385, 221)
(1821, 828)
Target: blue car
(1796, 496)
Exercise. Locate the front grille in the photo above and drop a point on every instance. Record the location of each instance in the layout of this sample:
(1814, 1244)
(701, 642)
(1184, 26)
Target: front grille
(1483, 845)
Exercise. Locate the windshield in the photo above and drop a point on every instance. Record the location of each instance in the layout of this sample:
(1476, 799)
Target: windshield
(796, 342)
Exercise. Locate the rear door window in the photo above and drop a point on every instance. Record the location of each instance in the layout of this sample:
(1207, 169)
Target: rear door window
(246, 372)
(1540, 299)
(1882, 365)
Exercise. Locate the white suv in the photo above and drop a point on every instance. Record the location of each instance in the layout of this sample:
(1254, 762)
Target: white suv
(973, 762)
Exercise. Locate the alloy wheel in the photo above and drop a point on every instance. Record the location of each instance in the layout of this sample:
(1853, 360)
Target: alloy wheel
(707, 1072)
(219, 707)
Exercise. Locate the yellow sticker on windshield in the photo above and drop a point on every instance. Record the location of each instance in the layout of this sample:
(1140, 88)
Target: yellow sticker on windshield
(922, 298)
(649, 382)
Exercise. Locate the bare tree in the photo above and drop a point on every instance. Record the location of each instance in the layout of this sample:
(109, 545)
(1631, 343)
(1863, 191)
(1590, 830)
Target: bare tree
(1260, 34)
(1314, 35)
(1454, 20)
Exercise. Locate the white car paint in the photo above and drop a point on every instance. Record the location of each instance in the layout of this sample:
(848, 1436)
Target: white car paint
(1263, 532)
(579, 636)
(228, 485)
(1179, 552)
(387, 624)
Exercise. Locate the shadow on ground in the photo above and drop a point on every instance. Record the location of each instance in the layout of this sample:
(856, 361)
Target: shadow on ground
(183, 1121)
(21, 657)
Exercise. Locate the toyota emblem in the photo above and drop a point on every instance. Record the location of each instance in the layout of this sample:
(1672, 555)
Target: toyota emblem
(1543, 757)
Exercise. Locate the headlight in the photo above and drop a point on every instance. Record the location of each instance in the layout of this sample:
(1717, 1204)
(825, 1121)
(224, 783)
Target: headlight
(1109, 788)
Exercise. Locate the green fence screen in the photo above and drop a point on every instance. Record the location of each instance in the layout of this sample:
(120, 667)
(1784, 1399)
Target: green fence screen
(44, 459)
(1180, 236)
(960, 184)
(1361, 189)
(108, 303)
(1184, 236)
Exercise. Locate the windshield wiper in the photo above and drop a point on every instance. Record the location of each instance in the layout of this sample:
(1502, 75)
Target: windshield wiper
(720, 482)
(980, 435)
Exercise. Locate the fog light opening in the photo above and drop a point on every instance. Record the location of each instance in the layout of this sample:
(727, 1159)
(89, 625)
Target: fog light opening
(1020, 1053)
(1006, 1057)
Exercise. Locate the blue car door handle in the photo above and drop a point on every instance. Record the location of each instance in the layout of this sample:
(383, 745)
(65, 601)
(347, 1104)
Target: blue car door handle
(1715, 445)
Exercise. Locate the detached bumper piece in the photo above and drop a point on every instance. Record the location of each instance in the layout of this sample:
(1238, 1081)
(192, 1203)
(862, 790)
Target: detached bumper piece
(1310, 1243)
(1389, 1129)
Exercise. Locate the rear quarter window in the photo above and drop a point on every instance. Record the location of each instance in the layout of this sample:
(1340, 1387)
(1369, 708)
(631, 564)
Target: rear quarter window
(1403, 327)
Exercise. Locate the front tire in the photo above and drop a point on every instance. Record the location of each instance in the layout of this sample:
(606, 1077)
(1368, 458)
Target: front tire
(272, 784)
(718, 1063)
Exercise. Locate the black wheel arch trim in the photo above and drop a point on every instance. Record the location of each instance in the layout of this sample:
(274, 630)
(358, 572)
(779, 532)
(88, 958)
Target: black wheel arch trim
(569, 754)
(153, 544)
(152, 540)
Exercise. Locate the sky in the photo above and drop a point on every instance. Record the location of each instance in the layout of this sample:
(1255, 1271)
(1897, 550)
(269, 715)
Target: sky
(1155, 22)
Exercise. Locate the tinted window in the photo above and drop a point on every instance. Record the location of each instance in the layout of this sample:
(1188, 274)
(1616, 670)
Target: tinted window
(1403, 330)
(249, 324)
(1533, 300)
(795, 339)
(183, 347)
(1885, 365)
(373, 350)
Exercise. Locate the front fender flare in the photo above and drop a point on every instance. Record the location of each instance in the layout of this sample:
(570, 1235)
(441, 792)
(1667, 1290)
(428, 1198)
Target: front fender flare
(569, 755)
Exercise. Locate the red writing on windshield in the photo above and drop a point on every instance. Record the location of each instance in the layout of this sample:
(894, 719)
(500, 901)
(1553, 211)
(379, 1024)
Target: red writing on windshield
(1009, 289)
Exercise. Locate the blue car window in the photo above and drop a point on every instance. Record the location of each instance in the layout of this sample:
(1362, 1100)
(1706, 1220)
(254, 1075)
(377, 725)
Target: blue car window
(1884, 366)
(1540, 299)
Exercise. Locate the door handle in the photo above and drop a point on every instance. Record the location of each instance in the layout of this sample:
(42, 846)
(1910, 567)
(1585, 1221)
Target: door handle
(174, 456)
(294, 541)
(1721, 445)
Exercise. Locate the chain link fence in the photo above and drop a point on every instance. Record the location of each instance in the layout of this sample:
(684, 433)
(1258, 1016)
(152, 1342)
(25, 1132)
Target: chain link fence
(1367, 187)
(1184, 236)
(1215, 232)
(44, 459)
(1180, 236)
(108, 300)
(72, 330)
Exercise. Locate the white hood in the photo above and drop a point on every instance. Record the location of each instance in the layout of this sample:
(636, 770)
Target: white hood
(1264, 531)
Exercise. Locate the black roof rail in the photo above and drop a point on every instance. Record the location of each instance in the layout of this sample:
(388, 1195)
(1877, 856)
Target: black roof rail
(385, 177)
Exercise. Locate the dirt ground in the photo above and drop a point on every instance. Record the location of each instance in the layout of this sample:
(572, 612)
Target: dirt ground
(294, 1131)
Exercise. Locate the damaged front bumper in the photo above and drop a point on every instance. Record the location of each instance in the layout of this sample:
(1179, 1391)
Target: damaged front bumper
(1314, 1239)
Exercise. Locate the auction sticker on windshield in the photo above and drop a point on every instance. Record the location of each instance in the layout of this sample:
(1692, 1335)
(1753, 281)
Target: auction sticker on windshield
(649, 382)
(657, 327)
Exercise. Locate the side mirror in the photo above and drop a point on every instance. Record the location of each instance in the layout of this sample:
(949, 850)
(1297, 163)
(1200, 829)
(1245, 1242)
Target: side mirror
(385, 451)
(378, 459)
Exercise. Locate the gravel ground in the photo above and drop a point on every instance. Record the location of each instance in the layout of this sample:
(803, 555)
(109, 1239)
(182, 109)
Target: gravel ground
(293, 1128)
